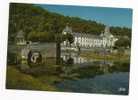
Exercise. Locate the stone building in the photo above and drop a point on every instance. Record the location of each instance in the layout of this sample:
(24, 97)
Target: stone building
(20, 39)
(84, 40)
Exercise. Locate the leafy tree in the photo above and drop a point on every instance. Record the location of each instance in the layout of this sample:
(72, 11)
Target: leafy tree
(123, 42)
(31, 18)
(40, 36)
(69, 38)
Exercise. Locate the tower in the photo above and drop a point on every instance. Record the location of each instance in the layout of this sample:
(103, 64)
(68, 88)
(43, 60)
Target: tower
(67, 30)
(20, 39)
(107, 31)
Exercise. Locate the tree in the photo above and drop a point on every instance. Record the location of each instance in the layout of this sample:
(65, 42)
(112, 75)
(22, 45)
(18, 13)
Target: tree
(69, 38)
(31, 18)
(56, 30)
(39, 36)
(123, 42)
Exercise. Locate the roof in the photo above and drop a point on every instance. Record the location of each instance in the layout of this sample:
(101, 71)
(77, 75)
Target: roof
(20, 34)
(67, 29)
(86, 35)
(106, 33)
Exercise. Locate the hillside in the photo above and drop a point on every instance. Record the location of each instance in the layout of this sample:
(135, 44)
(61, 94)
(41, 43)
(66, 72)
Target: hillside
(40, 24)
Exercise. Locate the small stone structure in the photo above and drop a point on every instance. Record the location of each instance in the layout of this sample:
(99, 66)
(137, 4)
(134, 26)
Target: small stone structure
(20, 39)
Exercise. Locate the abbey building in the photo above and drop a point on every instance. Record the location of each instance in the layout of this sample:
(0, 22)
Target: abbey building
(105, 39)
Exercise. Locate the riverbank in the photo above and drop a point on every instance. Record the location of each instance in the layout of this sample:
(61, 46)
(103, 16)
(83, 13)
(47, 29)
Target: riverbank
(45, 77)
(18, 80)
(107, 57)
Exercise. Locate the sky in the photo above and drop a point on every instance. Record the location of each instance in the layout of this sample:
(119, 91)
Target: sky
(121, 17)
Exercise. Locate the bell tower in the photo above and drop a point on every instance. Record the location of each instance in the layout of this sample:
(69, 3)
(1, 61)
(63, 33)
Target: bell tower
(20, 39)
(67, 29)
(107, 31)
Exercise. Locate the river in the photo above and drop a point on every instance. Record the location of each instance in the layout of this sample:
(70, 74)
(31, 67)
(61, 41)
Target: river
(96, 76)
(92, 76)
(113, 83)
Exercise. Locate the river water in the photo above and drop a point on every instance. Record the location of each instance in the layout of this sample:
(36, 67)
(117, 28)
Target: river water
(98, 76)
(94, 76)
(113, 83)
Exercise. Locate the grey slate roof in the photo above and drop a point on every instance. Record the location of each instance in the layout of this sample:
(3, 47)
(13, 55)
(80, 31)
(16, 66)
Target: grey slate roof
(86, 35)
(20, 34)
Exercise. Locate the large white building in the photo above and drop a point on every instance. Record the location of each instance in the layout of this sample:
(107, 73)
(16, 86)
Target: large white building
(105, 39)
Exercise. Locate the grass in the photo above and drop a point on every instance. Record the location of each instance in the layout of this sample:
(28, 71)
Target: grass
(108, 57)
(44, 77)
(17, 80)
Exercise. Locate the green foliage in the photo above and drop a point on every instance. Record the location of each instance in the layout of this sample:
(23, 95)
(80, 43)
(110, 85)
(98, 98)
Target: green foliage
(34, 20)
(123, 42)
(11, 58)
(121, 31)
(70, 38)
(17, 80)
(39, 36)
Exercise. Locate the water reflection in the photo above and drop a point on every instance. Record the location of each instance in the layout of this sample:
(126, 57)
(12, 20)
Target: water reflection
(94, 76)
(115, 83)
(67, 56)
(86, 75)
(89, 67)
(76, 59)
